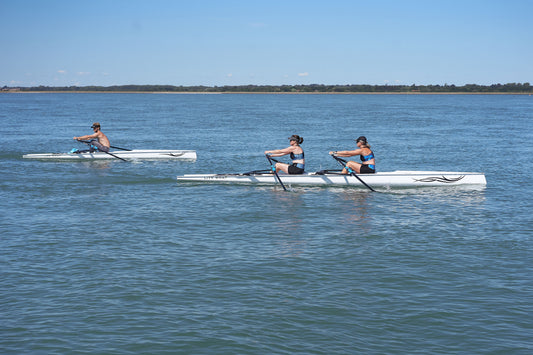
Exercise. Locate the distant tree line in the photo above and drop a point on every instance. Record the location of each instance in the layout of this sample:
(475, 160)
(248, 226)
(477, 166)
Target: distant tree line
(312, 88)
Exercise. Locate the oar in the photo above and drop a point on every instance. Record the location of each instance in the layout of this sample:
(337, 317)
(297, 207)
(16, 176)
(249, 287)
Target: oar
(113, 155)
(343, 163)
(129, 150)
(112, 146)
(274, 170)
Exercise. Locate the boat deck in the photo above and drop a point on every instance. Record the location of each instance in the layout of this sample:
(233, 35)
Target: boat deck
(189, 155)
(393, 179)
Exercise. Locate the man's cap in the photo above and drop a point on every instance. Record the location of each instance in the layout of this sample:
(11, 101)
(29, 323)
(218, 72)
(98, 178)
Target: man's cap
(95, 124)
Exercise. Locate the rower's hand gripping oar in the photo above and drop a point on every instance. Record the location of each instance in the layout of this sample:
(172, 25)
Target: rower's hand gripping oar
(113, 155)
(274, 169)
(343, 163)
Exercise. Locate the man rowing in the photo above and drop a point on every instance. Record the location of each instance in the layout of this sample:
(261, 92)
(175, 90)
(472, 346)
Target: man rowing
(368, 162)
(101, 142)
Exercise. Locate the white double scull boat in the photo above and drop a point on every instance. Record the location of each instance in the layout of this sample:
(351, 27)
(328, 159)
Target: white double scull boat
(394, 179)
(187, 155)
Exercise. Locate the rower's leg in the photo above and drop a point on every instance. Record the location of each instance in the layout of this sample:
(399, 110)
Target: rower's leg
(354, 166)
(282, 167)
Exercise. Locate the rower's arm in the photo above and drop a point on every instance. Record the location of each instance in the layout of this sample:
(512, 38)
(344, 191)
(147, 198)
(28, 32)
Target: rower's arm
(88, 136)
(279, 152)
(346, 153)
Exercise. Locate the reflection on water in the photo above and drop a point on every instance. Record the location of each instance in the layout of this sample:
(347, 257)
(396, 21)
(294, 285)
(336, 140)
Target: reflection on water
(290, 209)
(456, 195)
(304, 214)
(353, 210)
(99, 165)
(357, 208)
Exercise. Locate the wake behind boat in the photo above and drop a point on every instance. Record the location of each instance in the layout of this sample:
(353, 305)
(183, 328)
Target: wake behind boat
(186, 155)
(394, 179)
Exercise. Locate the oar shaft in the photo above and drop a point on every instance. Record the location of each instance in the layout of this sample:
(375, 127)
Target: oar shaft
(344, 164)
(275, 172)
(112, 146)
(113, 155)
(129, 150)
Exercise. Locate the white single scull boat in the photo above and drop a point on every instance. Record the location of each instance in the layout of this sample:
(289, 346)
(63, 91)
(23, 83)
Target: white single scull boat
(393, 179)
(187, 155)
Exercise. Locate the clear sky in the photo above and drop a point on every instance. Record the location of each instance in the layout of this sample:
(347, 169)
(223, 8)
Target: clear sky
(268, 42)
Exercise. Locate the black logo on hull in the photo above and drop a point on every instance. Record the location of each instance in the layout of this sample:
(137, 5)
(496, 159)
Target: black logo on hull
(442, 179)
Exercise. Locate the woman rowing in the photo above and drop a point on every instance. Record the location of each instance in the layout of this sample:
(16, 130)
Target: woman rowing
(368, 162)
(296, 153)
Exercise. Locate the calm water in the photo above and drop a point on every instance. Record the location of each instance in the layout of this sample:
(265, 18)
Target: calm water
(118, 258)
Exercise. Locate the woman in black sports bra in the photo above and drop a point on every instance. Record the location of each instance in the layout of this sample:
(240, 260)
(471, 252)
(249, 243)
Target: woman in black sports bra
(296, 153)
(368, 161)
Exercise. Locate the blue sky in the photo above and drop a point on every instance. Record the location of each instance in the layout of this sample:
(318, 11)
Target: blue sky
(270, 42)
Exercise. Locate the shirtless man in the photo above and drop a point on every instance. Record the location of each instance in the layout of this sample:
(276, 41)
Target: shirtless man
(101, 142)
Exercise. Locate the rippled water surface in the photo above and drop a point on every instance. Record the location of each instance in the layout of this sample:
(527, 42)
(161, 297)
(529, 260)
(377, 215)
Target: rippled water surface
(118, 258)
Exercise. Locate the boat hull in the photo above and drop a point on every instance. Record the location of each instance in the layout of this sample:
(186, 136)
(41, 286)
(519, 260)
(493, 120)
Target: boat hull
(395, 179)
(188, 155)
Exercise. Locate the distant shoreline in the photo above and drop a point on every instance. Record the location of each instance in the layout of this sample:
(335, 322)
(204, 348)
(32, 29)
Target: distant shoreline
(263, 93)
(320, 89)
